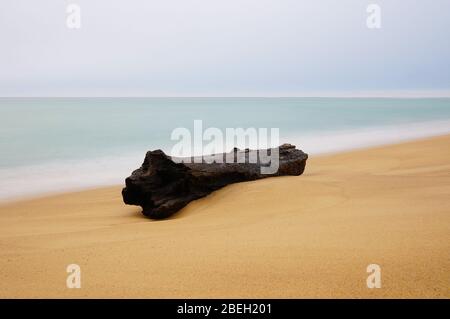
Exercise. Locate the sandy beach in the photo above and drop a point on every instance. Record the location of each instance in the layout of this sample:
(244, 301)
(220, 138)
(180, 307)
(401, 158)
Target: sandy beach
(293, 237)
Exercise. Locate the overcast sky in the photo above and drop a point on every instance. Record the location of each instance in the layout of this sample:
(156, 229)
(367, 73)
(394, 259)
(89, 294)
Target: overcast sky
(223, 48)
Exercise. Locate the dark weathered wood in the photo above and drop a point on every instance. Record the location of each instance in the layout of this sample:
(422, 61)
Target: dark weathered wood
(162, 187)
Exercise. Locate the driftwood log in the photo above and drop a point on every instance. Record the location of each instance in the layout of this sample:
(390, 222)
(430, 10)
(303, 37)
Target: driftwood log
(163, 185)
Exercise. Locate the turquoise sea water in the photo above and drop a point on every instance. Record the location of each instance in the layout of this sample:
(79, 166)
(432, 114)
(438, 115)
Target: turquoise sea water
(93, 138)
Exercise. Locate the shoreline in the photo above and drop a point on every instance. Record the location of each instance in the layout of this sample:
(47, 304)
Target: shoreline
(93, 188)
(98, 172)
(285, 237)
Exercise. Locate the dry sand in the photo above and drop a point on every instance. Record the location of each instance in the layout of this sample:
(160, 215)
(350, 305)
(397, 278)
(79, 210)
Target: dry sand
(307, 236)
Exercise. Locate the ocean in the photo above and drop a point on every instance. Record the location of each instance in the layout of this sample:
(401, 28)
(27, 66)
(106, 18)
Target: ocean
(60, 144)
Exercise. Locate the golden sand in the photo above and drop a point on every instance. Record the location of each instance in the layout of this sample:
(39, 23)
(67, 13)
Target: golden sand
(294, 237)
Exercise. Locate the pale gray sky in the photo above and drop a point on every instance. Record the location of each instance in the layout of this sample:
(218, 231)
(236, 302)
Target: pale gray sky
(224, 48)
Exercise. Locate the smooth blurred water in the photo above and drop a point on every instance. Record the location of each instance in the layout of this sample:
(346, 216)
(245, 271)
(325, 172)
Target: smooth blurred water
(96, 138)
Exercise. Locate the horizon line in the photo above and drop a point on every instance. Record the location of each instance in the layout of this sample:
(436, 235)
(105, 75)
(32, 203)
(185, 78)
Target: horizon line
(411, 94)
